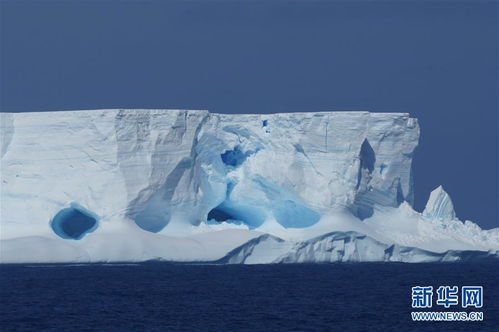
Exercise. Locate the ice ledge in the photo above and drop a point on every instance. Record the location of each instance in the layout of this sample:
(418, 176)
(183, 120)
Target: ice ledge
(203, 111)
(228, 247)
(342, 247)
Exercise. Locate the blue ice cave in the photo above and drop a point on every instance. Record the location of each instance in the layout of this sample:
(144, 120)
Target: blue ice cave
(218, 214)
(235, 213)
(73, 223)
(235, 157)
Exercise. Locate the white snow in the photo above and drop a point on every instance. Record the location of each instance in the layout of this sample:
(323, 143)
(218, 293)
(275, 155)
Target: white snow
(182, 185)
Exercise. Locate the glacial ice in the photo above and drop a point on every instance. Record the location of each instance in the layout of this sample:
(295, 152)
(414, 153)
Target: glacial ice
(194, 186)
(73, 223)
(439, 206)
(339, 247)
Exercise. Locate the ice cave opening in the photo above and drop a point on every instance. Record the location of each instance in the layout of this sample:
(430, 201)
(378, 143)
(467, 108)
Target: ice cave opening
(219, 215)
(235, 157)
(236, 213)
(73, 223)
(367, 156)
(362, 207)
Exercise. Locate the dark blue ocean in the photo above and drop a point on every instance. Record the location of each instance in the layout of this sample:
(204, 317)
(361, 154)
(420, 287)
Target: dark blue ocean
(169, 297)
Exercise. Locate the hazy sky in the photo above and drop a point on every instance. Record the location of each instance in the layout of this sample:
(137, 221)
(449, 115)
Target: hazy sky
(437, 60)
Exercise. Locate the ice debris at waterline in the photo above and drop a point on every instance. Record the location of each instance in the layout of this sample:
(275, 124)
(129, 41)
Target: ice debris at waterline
(194, 186)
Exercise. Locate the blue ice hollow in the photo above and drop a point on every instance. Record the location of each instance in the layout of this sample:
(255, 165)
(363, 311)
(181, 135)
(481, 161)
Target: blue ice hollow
(74, 222)
(291, 214)
(235, 157)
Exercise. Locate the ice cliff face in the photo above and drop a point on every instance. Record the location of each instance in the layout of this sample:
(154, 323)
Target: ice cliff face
(71, 178)
(168, 169)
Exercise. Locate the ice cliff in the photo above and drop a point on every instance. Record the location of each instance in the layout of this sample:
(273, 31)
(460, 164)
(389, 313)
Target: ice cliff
(178, 185)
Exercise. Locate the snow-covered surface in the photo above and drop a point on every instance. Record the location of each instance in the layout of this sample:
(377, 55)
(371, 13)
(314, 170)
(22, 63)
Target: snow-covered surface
(194, 186)
(124, 246)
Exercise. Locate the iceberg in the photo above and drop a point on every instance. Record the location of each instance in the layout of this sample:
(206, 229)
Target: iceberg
(340, 247)
(439, 205)
(193, 186)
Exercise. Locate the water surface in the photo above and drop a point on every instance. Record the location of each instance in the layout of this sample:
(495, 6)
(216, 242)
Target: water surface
(161, 296)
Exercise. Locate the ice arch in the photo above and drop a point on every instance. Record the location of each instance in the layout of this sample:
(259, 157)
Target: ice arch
(236, 213)
(73, 223)
(219, 215)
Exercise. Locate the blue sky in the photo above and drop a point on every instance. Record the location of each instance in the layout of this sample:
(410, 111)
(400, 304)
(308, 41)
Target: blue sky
(434, 59)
